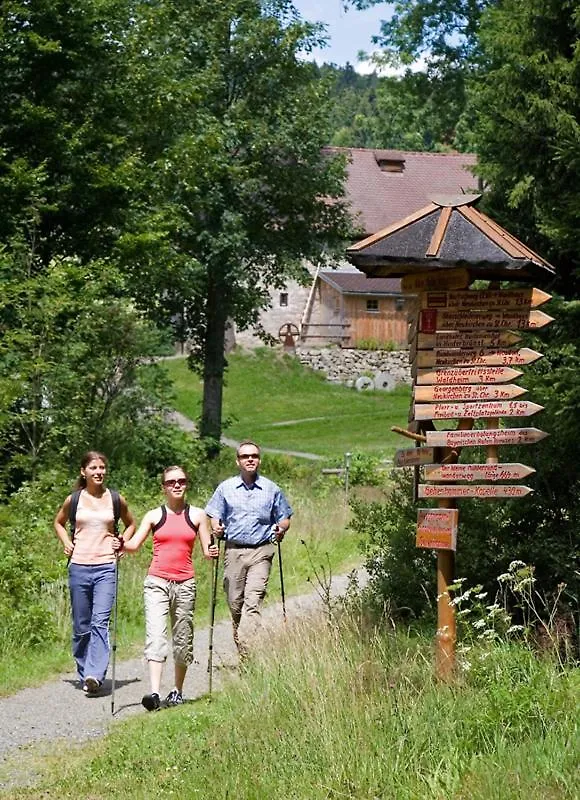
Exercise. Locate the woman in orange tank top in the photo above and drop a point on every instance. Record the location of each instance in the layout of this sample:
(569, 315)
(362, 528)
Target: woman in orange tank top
(92, 552)
(169, 587)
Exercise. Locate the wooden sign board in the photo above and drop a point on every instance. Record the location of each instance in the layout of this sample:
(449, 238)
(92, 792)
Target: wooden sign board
(487, 299)
(415, 456)
(456, 376)
(477, 472)
(476, 340)
(432, 320)
(501, 408)
(457, 278)
(468, 358)
(437, 528)
(437, 394)
(484, 438)
(482, 491)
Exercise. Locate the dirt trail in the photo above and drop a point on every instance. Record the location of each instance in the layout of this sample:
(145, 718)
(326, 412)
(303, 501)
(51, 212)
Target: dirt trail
(57, 713)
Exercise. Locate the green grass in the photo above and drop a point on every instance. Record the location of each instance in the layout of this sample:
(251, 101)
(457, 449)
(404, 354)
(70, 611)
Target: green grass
(342, 712)
(276, 401)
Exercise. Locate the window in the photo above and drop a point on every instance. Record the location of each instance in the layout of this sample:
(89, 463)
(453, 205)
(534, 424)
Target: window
(399, 303)
(283, 299)
(372, 304)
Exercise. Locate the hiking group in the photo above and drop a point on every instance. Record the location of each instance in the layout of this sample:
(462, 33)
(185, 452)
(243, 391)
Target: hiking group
(248, 512)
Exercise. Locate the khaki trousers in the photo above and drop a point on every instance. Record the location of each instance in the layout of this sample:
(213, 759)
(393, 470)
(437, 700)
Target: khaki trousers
(246, 573)
(166, 601)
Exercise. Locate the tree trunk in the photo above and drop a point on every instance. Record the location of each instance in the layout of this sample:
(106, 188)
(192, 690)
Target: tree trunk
(213, 369)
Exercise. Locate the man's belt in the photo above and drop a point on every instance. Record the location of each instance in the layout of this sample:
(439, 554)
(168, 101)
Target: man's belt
(241, 546)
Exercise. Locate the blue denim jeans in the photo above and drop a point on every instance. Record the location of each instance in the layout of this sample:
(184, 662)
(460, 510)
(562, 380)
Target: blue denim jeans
(92, 594)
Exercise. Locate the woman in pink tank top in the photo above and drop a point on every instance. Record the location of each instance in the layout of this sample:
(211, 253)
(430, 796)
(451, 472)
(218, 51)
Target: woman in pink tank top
(92, 550)
(169, 587)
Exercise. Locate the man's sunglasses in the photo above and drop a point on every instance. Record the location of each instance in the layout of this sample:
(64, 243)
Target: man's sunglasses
(245, 456)
(178, 482)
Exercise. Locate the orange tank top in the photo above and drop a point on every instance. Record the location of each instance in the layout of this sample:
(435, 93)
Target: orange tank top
(173, 540)
(95, 523)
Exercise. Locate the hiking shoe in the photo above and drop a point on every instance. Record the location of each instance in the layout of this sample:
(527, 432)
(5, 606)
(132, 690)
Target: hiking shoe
(91, 686)
(151, 702)
(174, 698)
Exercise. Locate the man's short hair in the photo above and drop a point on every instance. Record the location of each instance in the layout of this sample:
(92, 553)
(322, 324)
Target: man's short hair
(245, 443)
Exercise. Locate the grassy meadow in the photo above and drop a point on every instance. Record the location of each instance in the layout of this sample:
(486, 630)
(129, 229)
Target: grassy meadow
(273, 399)
(343, 711)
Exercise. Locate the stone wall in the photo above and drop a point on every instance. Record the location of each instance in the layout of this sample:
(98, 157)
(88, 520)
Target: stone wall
(348, 365)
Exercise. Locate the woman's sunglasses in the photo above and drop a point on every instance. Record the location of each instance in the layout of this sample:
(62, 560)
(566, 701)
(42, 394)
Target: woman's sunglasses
(177, 482)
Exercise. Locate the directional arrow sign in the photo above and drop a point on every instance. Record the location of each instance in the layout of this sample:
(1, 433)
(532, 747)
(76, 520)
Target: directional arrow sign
(458, 375)
(486, 299)
(467, 339)
(499, 490)
(432, 320)
(436, 394)
(435, 279)
(415, 456)
(509, 408)
(484, 438)
(457, 358)
(477, 472)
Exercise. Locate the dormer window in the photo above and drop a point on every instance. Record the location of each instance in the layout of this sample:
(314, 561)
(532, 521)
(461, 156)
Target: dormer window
(391, 164)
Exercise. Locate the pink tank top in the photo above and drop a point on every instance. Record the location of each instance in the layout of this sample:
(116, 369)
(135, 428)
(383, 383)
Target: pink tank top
(173, 540)
(95, 523)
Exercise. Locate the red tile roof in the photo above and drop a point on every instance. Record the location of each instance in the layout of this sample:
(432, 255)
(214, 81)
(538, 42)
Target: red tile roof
(358, 283)
(379, 198)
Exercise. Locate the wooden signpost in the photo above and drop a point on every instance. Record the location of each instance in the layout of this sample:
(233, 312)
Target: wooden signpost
(487, 299)
(469, 358)
(474, 391)
(476, 472)
(463, 350)
(481, 491)
(458, 375)
(431, 320)
(501, 408)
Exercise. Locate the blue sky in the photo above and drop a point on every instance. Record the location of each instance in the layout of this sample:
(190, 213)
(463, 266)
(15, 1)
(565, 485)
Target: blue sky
(349, 31)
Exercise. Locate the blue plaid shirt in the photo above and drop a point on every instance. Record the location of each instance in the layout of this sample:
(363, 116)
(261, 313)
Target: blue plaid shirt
(248, 512)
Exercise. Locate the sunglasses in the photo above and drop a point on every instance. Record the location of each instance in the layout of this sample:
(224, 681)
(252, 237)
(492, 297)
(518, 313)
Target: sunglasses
(175, 482)
(245, 456)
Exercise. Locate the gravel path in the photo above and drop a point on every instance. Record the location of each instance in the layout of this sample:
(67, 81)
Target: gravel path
(57, 713)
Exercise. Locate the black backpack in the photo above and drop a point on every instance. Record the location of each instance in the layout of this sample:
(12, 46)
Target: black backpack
(74, 502)
(164, 517)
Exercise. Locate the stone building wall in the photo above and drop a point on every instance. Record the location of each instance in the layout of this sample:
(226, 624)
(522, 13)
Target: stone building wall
(342, 365)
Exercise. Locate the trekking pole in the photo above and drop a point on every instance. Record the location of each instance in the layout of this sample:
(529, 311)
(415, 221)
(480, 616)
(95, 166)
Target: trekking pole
(282, 580)
(212, 613)
(114, 636)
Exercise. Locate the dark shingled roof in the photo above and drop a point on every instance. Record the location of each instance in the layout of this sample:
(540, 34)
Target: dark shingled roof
(446, 233)
(358, 283)
(379, 197)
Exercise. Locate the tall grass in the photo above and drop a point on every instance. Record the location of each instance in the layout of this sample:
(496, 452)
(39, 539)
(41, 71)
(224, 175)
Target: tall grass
(334, 711)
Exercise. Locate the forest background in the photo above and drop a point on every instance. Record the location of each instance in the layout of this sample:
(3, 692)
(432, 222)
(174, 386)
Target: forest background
(162, 166)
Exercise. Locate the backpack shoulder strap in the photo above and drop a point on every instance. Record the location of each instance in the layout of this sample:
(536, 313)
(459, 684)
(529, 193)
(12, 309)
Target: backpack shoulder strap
(72, 512)
(188, 518)
(162, 520)
(116, 498)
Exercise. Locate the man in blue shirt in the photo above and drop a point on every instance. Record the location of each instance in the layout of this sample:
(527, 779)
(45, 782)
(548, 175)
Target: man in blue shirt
(250, 512)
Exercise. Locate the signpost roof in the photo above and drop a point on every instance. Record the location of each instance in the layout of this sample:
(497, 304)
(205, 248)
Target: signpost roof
(448, 233)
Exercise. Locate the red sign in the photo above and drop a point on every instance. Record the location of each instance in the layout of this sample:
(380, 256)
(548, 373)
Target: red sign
(435, 394)
(508, 408)
(437, 528)
(457, 358)
(484, 438)
(477, 472)
(485, 299)
(492, 491)
(456, 375)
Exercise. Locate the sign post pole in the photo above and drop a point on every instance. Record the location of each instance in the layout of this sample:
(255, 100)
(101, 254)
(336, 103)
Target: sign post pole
(446, 625)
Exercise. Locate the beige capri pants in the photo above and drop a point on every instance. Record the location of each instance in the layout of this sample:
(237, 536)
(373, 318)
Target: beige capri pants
(166, 600)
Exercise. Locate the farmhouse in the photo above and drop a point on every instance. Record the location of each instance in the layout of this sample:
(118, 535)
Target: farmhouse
(341, 305)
